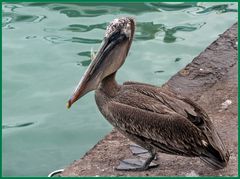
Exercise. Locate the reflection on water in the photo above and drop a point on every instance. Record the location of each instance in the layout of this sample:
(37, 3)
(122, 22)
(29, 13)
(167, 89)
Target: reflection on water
(47, 48)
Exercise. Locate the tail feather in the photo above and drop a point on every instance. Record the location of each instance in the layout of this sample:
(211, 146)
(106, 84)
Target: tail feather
(215, 158)
(214, 164)
(215, 153)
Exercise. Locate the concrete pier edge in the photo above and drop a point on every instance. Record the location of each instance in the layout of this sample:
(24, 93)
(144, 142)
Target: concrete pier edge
(210, 80)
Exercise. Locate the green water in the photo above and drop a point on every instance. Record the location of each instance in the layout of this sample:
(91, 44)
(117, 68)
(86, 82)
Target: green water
(46, 49)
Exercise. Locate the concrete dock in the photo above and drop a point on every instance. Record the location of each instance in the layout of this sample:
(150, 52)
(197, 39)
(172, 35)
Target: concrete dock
(211, 80)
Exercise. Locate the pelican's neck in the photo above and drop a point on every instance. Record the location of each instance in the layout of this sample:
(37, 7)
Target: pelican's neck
(109, 85)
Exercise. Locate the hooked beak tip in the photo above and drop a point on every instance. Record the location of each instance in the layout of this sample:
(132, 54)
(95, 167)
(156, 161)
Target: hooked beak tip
(69, 104)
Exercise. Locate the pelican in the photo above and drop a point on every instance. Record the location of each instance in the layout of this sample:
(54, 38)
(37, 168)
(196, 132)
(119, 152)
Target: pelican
(154, 118)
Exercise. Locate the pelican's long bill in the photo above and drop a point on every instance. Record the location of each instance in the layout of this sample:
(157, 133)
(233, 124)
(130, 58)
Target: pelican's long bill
(110, 57)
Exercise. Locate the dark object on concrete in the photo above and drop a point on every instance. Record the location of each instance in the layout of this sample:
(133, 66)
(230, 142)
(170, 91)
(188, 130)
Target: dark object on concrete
(211, 79)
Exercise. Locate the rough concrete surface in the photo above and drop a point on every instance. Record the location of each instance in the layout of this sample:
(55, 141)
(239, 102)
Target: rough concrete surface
(210, 80)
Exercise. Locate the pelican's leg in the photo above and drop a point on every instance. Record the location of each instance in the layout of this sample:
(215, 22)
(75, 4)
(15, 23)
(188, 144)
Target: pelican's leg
(140, 151)
(137, 164)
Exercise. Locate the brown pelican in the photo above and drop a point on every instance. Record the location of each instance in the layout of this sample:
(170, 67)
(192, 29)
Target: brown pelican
(152, 117)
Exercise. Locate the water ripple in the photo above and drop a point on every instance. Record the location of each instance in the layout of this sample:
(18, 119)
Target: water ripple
(169, 33)
(39, 18)
(54, 39)
(149, 30)
(84, 28)
(85, 54)
(81, 12)
(17, 125)
(10, 7)
(159, 71)
(97, 9)
(223, 8)
(84, 62)
(145, 31)
(57, 40)
(177, 59)
(84, 40)
(174, 6)
(201, 9)
(6, 20)
(31, 37)
(9, 18)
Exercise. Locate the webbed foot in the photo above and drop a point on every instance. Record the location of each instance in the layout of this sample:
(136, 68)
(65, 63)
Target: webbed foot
(135, 165)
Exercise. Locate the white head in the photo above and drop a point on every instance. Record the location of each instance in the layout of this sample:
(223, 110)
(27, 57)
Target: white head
(110, 57)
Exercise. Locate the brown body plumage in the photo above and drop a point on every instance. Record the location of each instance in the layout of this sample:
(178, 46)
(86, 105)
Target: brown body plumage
(151, 116)
(160, 120)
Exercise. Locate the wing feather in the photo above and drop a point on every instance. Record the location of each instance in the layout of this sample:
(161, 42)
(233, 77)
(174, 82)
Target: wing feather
(170, 122)
(172, 132)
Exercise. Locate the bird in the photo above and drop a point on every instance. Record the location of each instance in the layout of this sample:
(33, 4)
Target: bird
(156, 119)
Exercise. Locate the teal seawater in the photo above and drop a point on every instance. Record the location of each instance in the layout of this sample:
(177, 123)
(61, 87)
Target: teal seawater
(46, 49)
